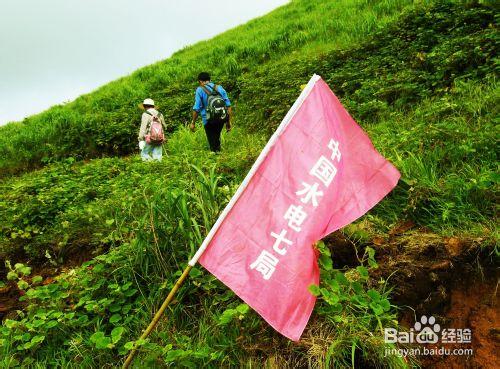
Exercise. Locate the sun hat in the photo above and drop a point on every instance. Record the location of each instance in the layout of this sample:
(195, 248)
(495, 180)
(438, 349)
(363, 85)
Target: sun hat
(149, 102)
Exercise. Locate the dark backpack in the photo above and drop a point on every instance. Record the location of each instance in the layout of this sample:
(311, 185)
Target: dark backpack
(216, 106)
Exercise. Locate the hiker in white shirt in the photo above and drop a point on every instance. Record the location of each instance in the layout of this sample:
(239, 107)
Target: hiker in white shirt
(150, 143)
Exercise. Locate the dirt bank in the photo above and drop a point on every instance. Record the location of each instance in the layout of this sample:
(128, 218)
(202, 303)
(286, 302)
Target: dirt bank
(454, 280)
(474, 306)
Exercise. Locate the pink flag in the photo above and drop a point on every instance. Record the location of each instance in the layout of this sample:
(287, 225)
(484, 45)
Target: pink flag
(318, 173)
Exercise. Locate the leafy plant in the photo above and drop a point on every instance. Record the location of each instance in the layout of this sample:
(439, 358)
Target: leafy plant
(430, 108)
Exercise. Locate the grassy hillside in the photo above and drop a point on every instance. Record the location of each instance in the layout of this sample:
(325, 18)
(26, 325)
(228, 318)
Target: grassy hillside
(421, 82)
(105, 121)
(448, 158)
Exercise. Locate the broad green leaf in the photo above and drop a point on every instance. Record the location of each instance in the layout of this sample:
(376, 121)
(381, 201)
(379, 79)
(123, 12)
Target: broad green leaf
(115, 318)
(357, 288)
(314, 289)
(116, 334)
(363, 272)
(243, 308)
(37, 339)
(22, 284)
(114, 308)
(37, 279)
(227, 316)
(174, 355)
(130, 292)
(195, 272)
(334, 285)
(9, 323)
(337, 308)
(340, 277)
(360, 300)
(103, 343)
(38, 323)
(385, 304)
(374, 295)
(325, 262)
(330, 297)
(25, 270)
(96, 336)
(377, 309)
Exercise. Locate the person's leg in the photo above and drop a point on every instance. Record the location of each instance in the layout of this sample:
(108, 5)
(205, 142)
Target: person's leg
(218, 129)
(146, 153)
(209, 130)
(157, 152)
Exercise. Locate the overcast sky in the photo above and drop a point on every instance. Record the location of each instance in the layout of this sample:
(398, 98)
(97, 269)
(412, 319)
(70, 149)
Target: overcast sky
(54, 50)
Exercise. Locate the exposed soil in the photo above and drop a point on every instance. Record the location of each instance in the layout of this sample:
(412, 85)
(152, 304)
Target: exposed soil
(474, 307)
(9, 295)
(455, 280)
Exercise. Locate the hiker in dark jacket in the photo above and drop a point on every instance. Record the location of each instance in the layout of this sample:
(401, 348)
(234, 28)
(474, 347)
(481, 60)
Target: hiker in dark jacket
(212, 103)
(151, 150)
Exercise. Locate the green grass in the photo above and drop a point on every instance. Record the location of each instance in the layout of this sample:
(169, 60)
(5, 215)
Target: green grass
(431, 108)
(105, 122)
(448, 161)
(436, 130)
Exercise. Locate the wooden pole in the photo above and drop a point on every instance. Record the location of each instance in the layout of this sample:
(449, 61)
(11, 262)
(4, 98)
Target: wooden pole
(158, 314)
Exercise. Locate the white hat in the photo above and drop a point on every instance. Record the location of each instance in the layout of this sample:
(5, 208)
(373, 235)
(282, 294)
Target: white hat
(148, 102)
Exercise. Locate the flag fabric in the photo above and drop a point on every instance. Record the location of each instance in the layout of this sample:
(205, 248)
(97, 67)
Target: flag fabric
(319, 173)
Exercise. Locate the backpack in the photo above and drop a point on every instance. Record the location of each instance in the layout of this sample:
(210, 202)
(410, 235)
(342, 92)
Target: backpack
(155, 135)
(216, 106)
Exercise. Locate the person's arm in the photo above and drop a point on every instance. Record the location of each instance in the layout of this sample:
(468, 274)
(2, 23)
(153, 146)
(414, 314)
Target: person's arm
(196, 108)
(144, 125)
(223, 94)
(228, 123)
(193, 120)
(162, 120)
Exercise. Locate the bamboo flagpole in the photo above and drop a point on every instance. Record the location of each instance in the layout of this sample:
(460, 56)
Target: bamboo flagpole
(158, 314)
(272, 141)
